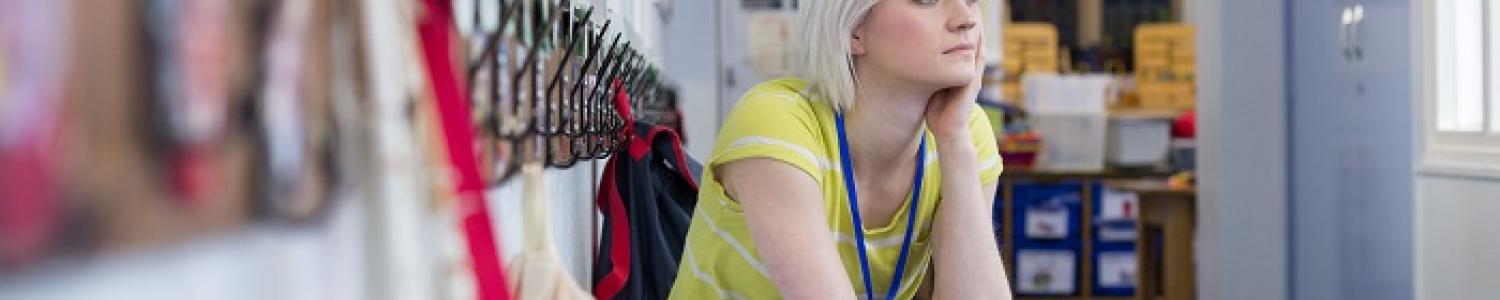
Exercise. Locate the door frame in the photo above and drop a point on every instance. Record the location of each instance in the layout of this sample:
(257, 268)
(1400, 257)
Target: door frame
(1242, 243)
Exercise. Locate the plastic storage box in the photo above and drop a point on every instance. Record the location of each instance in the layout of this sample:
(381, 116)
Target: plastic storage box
(1071, 142)
(1139, 139)
(1069, 112)
(1051, 93)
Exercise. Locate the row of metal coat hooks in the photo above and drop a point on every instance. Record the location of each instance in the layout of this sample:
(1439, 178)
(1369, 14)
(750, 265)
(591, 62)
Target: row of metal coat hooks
(544, 83)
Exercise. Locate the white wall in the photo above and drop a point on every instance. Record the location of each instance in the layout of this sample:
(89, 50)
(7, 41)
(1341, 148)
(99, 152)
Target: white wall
(734, 57)
(1457, 237)
(691, 38)
(571, 199)
(323, 260)
(1241, 244)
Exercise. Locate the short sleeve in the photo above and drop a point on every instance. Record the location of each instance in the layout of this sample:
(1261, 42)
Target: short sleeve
(772, 121)
(983, 135)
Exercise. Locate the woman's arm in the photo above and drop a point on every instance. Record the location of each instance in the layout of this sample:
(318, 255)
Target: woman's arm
(784, 210)
(967, 259)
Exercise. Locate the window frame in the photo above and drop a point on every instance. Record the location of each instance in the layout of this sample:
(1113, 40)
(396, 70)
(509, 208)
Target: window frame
(1470, 154)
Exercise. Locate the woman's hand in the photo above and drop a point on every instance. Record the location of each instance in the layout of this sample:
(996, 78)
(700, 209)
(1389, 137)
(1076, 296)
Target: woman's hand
(948, 110)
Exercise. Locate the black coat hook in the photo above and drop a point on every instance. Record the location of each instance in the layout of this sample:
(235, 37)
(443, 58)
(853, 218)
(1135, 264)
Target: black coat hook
(563, 104)
(605, 115)
(595, 45)
(593, 108)
(528, 102)
(552, 114)
(592, 49)
(606, 74)
(491, 43)
(582, 41)
(567, 56)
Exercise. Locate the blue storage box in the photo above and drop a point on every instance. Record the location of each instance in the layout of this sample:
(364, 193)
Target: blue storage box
(1115, 214)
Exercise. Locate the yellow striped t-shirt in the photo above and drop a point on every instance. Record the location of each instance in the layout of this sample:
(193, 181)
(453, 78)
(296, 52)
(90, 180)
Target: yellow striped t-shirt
(775, 120)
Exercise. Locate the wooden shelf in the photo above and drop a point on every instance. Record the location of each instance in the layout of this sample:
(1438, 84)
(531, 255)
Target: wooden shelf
(1145, 182)
(1109, 173)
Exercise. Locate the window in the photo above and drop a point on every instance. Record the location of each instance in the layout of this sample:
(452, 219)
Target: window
(1459, 59)
(1461, 89)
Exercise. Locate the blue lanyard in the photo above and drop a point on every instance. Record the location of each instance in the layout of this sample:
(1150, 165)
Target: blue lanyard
(859, 228)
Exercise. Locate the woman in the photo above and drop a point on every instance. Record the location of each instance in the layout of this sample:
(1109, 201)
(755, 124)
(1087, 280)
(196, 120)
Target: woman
(884, 111)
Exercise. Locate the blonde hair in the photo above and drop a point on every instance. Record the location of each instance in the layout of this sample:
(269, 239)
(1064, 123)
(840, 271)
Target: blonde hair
(824, 59)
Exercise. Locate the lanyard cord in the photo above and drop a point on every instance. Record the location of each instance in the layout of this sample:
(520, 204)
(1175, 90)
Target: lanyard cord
(859, 232)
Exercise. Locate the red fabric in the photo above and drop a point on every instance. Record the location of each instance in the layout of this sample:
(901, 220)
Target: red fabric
(681, 161)
(1186, 125)
(622, 107)
(619, 232)
(192, 174)
(622, 103)
(453, 108)
(29, 199)
(639, 147)
(609, 195)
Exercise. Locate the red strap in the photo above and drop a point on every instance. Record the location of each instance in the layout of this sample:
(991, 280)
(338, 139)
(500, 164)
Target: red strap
(637, 147)
(622, 107)
(453, 107)
(619, 232)
(622, 103)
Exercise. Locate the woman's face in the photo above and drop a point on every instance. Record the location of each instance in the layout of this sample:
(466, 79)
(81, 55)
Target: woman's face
(924, 42)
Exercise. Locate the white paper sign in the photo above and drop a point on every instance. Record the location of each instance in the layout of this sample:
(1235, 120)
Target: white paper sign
(1116, 269)
(1117, 233)
(1116, 204)
(1045, 271)
(1046, 223)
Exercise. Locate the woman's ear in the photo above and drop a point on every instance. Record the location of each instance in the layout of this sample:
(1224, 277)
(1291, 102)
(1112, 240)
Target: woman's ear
(856, 44)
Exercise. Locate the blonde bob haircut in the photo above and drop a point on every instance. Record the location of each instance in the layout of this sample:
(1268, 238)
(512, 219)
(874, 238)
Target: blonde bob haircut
(824, 59)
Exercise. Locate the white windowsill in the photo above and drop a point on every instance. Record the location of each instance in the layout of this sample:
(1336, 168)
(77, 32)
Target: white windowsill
(1469, 162)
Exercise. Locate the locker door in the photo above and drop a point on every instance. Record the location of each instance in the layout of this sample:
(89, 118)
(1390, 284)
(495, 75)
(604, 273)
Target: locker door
(1351, 149)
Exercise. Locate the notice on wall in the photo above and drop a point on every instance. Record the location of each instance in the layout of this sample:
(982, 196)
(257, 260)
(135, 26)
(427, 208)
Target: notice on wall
(770, 40)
